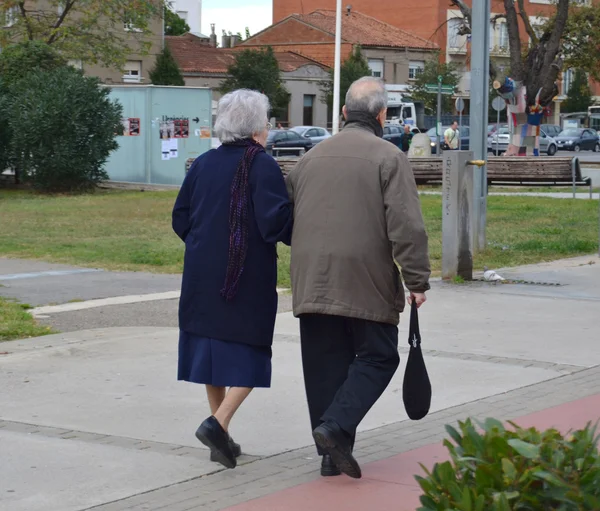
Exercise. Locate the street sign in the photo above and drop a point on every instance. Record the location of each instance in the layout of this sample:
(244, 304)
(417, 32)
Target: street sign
(498, 104)
(432, 88)
(459, 105)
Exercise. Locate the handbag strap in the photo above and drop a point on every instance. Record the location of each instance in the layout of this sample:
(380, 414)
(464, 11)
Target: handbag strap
(414, 334)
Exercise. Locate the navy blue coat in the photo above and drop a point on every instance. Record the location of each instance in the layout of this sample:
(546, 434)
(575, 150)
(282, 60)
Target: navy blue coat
(201, 220)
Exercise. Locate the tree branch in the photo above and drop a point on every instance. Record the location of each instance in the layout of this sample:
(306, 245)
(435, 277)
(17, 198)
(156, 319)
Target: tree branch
(464, 9)
(26, 20)
(67, 7)
(514, 40)
(526, 22)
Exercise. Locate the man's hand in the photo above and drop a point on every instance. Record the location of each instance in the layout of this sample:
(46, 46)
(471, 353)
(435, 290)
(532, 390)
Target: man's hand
(419, 298)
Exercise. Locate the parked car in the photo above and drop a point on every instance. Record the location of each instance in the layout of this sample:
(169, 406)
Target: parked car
(393, 133)
(465, 134)
(498, 142)
(552, 130)
(279, 141)
(578, 139)
(314, 133)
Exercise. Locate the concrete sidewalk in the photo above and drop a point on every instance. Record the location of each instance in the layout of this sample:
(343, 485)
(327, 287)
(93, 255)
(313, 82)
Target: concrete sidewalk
(96, 418)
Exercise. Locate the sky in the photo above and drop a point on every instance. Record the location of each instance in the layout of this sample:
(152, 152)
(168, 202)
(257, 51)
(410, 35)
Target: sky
(235, 15)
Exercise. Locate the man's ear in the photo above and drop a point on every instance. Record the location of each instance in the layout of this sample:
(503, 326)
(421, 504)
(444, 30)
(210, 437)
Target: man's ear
(345, 112)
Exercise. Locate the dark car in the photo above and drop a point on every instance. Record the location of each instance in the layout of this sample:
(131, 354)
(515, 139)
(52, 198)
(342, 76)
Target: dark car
(287, 143)
(578, 139)
(393, 134)
(464, 137)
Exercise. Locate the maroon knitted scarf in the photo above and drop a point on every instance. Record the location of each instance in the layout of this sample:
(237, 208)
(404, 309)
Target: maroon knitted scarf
(239, 213)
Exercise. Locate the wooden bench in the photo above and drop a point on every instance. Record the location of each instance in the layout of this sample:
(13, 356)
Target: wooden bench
(505, 171)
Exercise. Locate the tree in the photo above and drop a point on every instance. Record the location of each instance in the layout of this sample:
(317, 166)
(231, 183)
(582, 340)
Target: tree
(166, 71)
(258, 70)
(175, 24)
(581, 39)
(433, 69)
(353, 68)
(579, 98)
(67, 127)
(104, 32)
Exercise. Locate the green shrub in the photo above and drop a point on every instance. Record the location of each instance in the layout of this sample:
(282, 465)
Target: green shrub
(18, 60)
(518, 469)
(64, 127)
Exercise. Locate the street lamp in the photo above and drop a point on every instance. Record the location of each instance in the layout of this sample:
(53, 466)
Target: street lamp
(336, 68)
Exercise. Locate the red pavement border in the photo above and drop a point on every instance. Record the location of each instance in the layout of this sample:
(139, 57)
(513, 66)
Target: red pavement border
(390, 485)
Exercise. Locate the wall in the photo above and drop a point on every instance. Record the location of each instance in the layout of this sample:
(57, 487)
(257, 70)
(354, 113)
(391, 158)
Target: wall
(305, 80)
(194, 10)
(396, 62)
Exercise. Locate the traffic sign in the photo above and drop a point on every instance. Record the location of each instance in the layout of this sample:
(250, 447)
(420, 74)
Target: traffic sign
(498, 104)
(432, 88)
(460, 105)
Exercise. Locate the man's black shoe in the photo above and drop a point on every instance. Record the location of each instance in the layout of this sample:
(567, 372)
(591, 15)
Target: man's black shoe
(212, 434)
(235, 448)
(328, 467)
(329, 437)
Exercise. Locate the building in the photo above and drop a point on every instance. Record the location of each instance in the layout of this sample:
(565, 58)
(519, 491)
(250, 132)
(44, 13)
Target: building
(204, 65)
(137, 67)
(191, 12)
(395, 55)
(438, 22)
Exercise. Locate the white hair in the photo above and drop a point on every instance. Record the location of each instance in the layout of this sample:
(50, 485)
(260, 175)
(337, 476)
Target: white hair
(241, 114)
(367, 95)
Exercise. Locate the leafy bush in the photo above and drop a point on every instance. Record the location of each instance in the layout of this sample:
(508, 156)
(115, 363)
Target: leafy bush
(166, 71)
(64, 127)
(18, 60)
(510, 470)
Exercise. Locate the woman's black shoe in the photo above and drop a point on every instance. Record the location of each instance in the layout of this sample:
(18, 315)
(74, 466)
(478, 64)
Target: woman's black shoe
(235, 448)
(212, 434)
(329, 468)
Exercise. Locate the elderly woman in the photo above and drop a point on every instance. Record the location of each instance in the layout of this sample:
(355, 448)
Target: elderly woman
(232, 209)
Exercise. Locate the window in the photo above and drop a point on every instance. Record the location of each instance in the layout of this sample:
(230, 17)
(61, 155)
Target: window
(567, 77)
(415, 68)
(77, 64)
(322, 133)
(133, 71)
(312, 133)
(376, 67)
(10, 16)
(129, 20)
(309, 104)
(502, 36)
(454, 26)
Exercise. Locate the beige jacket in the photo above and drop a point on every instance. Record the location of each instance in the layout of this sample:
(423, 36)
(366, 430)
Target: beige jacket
(356, 209)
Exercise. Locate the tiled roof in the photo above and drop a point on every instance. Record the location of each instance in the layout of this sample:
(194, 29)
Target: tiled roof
(195, 56)
(361, 29)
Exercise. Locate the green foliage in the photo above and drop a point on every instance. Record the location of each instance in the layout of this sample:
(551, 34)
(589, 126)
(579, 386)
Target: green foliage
(579, 98)
(104, 32)
(174, 24)
(581, 39)
(5, 134)
(258, 70)
(166, 71)
(18, 60)
(433, 69)
(64, 127)
(517, 469)
(353, 68)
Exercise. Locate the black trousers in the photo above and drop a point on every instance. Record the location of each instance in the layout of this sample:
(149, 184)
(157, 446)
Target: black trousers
(347, 363)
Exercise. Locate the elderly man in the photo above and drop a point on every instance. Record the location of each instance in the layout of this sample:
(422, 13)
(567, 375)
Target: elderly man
(356, 209)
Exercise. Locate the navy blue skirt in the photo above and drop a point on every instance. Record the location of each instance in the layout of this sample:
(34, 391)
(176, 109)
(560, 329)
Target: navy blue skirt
(223, 363)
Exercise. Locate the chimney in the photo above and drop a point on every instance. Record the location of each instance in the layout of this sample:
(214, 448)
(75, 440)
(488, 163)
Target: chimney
(213, 36)
(225, 40)
(348, 10)
(235, 40)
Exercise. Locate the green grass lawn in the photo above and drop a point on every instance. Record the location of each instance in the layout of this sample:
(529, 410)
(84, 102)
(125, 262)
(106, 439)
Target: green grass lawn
(132, 230)
(17, 323)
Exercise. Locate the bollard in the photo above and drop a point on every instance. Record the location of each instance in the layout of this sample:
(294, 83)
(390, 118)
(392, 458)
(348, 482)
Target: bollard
(458, 214)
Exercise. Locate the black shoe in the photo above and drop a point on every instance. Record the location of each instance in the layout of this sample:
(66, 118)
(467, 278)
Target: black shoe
(328, 467)
(235, 448)
(212, 434)
(330, 438)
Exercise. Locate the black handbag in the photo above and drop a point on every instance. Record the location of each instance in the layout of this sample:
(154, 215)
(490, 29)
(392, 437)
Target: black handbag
(416, 389)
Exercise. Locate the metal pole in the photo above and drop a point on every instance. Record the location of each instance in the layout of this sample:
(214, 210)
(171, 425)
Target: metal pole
(460, 130)
(439, 117)
(336, 70)
(480, 72)
(497, 131)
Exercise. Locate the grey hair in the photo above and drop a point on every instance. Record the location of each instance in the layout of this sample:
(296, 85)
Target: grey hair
(367, 95)
(241, 114)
